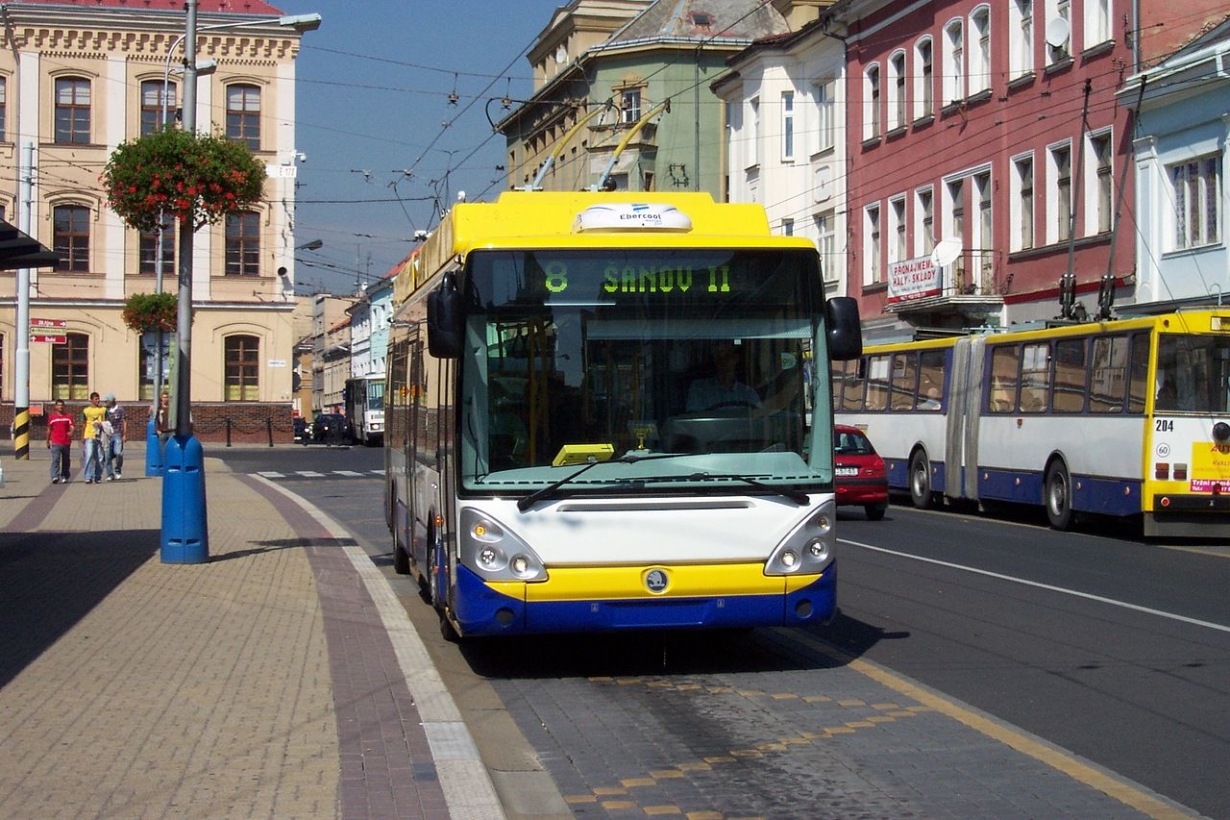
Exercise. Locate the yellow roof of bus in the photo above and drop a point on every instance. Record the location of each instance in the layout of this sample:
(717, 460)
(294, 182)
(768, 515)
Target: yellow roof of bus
(542, 219)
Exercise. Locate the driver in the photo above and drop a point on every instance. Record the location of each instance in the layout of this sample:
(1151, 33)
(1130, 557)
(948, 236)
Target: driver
(723, 389)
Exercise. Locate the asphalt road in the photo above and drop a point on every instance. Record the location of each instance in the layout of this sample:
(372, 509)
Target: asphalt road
(1109, 647)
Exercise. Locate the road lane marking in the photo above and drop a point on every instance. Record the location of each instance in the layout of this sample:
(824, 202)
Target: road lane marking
(1037, 585)
(1127, 792)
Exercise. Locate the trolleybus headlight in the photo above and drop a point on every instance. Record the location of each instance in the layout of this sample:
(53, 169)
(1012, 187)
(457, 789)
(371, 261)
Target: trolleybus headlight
(493, 551)
(809, 549)
(818, 550)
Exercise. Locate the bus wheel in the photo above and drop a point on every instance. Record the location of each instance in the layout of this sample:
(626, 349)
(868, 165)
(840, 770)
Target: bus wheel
(1058, 496)
(920, 481)
(401, 558)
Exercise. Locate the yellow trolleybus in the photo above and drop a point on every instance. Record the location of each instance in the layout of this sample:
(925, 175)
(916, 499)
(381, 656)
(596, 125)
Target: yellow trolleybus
(1125, 417)
(611, 411)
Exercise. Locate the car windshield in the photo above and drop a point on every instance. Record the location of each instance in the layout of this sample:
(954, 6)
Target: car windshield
(708, 356)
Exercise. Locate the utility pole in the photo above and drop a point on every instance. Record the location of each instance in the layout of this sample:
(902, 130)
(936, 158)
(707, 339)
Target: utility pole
(21, 393)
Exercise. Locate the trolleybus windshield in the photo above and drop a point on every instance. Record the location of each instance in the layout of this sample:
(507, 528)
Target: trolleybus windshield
(574, 356)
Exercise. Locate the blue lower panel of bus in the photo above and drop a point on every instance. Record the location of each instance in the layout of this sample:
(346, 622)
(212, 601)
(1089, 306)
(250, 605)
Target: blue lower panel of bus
(1105, 496)
(481, 610)
(899, 476)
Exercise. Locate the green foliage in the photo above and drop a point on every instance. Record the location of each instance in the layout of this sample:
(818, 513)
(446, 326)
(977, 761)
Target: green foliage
(151, 311)
(195, 178)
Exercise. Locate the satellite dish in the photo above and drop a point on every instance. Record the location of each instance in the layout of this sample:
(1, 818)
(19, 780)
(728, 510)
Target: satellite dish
(946, 251)
(1058, 30)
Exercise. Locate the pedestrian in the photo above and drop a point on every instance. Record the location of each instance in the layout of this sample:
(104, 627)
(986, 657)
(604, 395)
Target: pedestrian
(60, 442)
(91, 439)
(114, 454)
(162, 418)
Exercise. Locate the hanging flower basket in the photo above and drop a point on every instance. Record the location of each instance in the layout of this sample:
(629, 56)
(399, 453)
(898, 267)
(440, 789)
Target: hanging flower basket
(144, 312)
(197, 179)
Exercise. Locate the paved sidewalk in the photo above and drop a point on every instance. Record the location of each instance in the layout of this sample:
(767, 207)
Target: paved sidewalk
(279, 679)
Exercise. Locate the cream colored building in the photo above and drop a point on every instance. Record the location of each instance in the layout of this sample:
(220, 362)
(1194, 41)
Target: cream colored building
(76, 80)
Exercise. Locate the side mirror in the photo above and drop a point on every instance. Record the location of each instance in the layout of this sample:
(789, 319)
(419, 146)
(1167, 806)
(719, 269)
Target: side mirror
(445, 320)
(845, 332)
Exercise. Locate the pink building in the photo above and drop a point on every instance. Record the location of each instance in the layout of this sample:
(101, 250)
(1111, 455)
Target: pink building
(988, 158)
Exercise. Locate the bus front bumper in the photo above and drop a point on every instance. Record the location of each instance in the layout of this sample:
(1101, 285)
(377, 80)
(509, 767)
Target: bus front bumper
(613, 599)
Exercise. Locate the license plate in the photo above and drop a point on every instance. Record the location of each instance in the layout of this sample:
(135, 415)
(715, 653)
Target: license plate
(847, 471)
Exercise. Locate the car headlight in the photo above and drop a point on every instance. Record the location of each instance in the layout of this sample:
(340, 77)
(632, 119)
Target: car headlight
(494, 552)
(809, 549)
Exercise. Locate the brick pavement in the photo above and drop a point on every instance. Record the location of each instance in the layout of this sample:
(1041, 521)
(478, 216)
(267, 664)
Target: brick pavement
(278, 679)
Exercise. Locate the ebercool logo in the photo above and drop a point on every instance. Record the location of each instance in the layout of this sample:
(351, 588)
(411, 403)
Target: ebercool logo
(656, 581)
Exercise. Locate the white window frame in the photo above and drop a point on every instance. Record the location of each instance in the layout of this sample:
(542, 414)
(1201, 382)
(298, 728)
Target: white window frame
(825, 224)
(753, 133)
(871, 244)
(1058, 223)
(1199, 181)
(979, 50)
(1061, 9)
(1023, 210)
(1098, 16)
(873, 84)
(824, 94)
(924, 78)
(788, 130)
(982, 228)
(1099, 184)
(954, 62)
(924, 220)
(1020, 38)
(895, 90)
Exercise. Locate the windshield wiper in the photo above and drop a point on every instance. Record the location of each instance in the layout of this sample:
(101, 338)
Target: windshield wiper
(797, 496)
(550, 490)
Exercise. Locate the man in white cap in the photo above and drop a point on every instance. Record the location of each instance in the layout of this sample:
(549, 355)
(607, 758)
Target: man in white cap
(114, 457)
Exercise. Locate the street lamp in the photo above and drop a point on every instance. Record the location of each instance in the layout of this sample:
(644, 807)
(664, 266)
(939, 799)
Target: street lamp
(185, 537)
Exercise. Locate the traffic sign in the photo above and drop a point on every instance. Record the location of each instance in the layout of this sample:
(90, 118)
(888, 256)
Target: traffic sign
(51, 324)
(46, 337)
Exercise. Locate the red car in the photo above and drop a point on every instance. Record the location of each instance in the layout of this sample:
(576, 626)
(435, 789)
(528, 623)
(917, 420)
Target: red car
(861, 479)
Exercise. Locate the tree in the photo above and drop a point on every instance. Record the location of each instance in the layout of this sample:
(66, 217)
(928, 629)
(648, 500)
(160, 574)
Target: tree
(196, 178)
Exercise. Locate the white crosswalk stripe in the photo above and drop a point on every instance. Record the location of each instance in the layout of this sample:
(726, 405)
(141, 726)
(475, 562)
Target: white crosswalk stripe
(274, 475)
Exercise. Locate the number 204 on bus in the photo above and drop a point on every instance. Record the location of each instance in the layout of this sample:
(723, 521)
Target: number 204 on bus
(612, 411)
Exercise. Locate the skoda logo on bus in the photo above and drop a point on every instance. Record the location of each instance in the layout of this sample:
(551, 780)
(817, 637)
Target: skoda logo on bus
(656, 581)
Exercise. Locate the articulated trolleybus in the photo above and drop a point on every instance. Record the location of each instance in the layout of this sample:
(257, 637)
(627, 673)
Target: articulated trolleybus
(611, 411)
(1125, 417)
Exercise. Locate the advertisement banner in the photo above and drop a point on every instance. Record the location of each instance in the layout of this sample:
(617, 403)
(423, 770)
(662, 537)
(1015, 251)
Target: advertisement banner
(913, 279)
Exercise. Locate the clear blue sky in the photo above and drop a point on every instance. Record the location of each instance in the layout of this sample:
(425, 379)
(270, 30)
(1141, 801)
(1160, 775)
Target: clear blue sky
(373, 93)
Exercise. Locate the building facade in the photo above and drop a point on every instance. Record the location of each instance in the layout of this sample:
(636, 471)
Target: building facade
(1182, 148)
(78, 79)
(785, 138)
(622, 98)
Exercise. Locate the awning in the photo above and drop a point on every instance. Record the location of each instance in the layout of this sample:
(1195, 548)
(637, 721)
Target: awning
(17, 250)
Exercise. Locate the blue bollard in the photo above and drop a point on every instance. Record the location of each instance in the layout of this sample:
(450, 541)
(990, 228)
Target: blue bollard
(185, 535)
(153, 449)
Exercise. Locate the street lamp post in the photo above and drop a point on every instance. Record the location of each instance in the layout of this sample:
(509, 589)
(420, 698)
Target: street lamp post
(300, 23)
(185, 536)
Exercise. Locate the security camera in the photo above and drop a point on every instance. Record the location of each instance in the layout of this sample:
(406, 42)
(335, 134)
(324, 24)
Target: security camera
(302, 157)
(282, 271)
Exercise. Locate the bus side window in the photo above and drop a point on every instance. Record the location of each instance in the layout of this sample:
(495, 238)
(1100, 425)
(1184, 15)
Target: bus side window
(1071, 371)
(1002, 395)
(931, 379)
